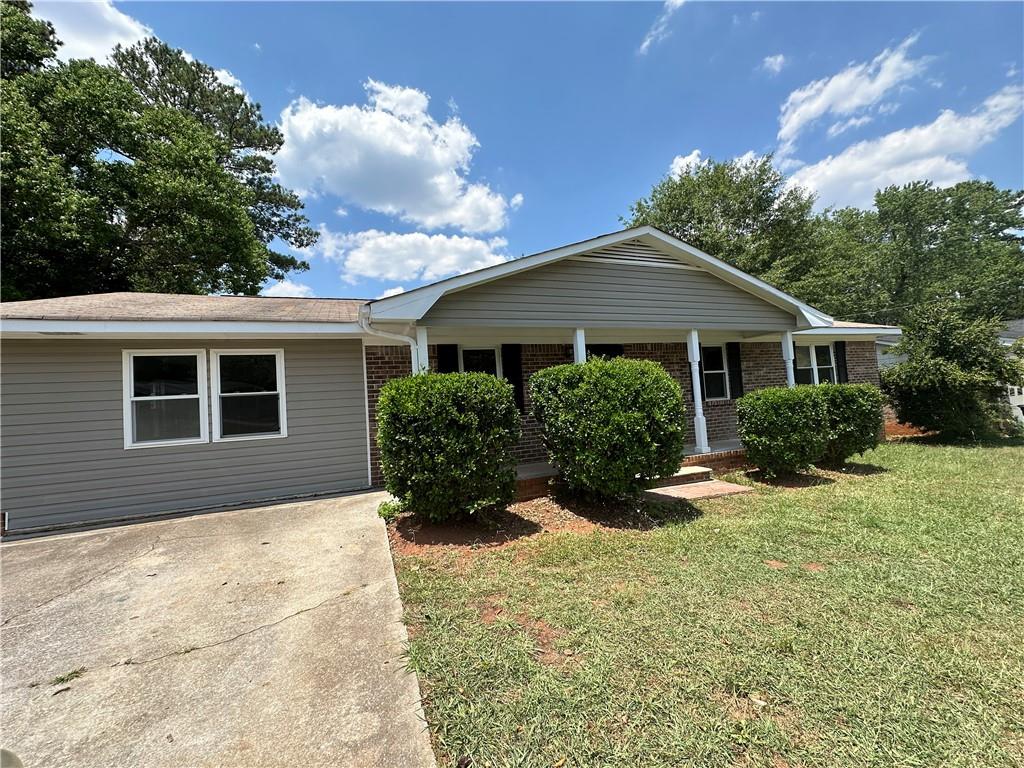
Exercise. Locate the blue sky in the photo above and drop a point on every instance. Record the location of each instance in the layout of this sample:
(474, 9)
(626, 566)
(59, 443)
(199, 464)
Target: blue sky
(429, 139)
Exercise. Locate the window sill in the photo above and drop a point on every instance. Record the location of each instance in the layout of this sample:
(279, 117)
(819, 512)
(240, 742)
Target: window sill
(245, 438)
(166, 443)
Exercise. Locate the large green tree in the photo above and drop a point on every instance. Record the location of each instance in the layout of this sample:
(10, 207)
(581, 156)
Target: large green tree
(919, 244)
(740, 211)
(104, 188)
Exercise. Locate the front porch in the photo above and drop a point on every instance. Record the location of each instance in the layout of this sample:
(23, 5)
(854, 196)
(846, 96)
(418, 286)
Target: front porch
(533, 479)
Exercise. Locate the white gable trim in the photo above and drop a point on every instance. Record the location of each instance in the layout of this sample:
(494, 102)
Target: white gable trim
(413, 305)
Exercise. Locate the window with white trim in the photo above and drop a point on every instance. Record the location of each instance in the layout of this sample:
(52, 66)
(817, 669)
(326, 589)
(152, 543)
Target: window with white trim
(716, 377)
(248, 394)
(164, 397)
(815, 364)
(480, 360)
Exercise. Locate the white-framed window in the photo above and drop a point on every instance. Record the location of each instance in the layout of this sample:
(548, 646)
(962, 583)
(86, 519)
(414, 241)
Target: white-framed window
(248, 394)
(164, 397)
(815, 364)
(716, 376)
(480, 360)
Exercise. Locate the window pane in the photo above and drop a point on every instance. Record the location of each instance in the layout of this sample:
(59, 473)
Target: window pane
(803, 357)
(714, 359)
(249, 415)
(826, 375)
(822, 355)
(248, 373)
(166, 419)
(714, 385)
(604, 350)
(165, 375)
(803, 376)
(479, 361)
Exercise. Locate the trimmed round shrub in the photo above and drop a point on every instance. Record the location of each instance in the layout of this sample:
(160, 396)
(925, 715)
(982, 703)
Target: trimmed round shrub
(610, 426)
(783, 429)
(854, 420)
(446, 442)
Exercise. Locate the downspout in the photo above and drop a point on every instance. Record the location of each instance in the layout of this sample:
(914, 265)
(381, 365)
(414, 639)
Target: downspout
(363, 321)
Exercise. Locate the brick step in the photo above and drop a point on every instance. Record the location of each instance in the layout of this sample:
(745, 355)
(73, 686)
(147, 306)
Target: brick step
(689, 474)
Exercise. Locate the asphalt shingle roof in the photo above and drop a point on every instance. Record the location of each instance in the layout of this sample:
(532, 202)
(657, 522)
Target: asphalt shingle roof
(170, 306)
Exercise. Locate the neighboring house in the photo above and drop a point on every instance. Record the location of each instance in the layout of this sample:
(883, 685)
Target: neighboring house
(1011, 332)
(125, 405)
(884, 351)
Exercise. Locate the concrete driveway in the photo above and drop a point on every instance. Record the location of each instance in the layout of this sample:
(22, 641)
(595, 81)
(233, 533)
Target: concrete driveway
(258, 637)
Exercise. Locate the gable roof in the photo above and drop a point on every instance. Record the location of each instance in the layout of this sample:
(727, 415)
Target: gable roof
(178, 307)
(413, 305)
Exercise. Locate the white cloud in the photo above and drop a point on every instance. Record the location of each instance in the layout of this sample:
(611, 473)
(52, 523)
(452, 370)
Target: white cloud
(773, 64)
(289, 288)
(845, 125)
(935, 151)
(341, 211)
(407, 256)
(227, 78)
(659, 30)
(90, 30)
(685, 164)
(856, 88)
(887, 108)
(392, 292)
(389, 156)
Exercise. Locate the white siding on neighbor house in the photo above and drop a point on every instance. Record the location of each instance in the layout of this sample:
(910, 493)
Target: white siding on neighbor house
(64, 461)
(599, 290)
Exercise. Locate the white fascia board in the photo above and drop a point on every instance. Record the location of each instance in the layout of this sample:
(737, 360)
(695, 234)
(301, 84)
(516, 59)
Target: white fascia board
(839, 331)
(144, 328)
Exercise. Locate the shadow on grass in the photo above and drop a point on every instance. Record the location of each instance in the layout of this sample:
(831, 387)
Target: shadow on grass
(945, 442)
(857, 468)
(486, 528)
(634, 513)
(799, 480)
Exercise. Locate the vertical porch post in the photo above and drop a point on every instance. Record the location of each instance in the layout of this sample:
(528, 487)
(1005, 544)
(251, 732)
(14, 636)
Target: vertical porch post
(420, 358)
(579, 346)
(787, 357)
(700, 427)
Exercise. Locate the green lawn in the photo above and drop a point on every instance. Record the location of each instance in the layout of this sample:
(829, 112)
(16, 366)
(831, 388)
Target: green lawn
(893, 634)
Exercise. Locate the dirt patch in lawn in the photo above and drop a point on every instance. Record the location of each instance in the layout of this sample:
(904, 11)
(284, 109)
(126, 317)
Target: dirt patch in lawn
(412, 536)
(492, 610)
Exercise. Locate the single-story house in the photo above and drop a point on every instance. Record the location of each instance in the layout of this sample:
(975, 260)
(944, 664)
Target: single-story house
(127, 405)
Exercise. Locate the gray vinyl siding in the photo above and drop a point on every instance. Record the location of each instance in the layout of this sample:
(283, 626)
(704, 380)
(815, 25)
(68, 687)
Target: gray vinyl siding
(594, 292)
(64, 461)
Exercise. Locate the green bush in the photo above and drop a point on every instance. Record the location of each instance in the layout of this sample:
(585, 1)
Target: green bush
(955, 373)
(610, 426)
(854, 420)
(445, 442)
(783, 429)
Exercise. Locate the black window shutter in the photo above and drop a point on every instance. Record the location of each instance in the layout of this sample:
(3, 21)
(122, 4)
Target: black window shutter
(512, 369)
(732, 355)
(447, 358)
(839, 349)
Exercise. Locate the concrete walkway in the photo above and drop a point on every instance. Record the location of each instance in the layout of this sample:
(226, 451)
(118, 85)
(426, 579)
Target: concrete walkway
(259, 637)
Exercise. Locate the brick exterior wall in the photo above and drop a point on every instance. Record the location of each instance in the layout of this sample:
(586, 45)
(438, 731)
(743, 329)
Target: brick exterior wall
(382, 365)
(536, 357)
(862, 362)
(761, 363)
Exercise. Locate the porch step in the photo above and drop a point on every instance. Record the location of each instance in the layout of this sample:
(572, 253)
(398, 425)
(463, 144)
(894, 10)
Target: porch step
(685, 475)
(705, 489)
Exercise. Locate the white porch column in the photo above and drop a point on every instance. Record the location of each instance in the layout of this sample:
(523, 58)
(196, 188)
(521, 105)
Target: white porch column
(421, 359)
(700, 427)
(787, 357)
(579, 346)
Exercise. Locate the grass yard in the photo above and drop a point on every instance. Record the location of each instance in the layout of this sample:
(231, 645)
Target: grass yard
(873, 618)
